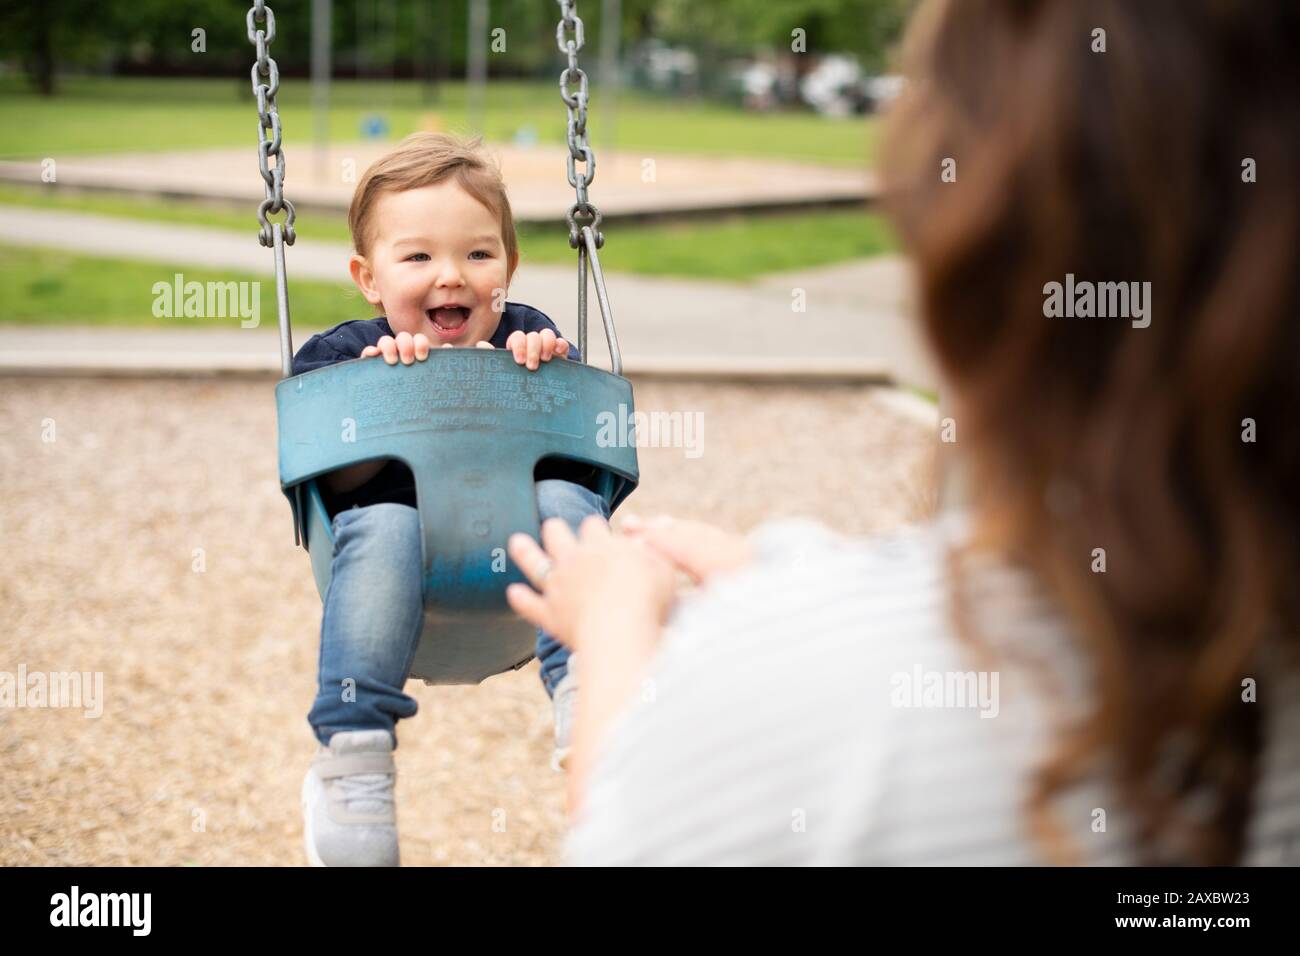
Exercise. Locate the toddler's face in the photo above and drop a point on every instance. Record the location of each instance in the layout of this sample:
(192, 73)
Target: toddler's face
(431, 247)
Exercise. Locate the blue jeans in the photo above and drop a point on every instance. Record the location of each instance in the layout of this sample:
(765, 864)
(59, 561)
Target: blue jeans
(374, 612)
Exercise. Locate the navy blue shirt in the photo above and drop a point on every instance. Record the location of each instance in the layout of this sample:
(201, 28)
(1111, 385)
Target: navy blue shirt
(394, 482)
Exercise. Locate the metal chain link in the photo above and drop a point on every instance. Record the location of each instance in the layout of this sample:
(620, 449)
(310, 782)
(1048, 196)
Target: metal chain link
(268, 117)
(584, 236)
(576, 101)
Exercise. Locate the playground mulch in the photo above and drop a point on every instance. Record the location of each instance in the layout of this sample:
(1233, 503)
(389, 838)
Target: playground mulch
(208, 656)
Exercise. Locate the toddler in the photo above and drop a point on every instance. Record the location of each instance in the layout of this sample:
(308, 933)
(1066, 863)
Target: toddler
(435, 251)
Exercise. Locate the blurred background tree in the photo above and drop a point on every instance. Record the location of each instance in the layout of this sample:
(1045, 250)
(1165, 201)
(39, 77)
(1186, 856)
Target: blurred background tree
(420, 38)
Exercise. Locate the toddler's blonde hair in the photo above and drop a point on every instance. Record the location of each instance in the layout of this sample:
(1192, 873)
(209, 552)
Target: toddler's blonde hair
(423, 159)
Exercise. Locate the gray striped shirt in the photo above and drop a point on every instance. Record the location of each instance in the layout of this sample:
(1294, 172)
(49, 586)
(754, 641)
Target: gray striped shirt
(817, 708)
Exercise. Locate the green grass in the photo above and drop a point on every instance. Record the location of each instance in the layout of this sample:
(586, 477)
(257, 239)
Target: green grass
(190, 212)
(736, 248)
(116, 114)
(742, 248)
(42, 287)
(218, 215)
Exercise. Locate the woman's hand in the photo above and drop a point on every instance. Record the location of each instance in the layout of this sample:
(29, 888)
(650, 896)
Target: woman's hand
(589, 584)
(700, 550)
(606, 598)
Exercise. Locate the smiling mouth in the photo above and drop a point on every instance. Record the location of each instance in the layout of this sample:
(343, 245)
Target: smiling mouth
(449, 321)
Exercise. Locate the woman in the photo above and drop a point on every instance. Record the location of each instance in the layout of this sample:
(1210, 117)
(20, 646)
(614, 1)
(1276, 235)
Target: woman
(1096, 662)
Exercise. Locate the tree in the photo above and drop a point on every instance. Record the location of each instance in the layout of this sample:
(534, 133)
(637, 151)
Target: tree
(39, 32)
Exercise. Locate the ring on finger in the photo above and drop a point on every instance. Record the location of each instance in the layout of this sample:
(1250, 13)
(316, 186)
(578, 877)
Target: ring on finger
(543, 570)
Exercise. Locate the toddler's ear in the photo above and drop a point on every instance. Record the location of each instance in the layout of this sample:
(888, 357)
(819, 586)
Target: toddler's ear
(363, 277)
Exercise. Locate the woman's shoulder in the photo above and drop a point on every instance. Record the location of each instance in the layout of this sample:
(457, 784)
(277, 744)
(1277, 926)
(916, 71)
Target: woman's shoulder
(805, 570)
(909, 576)
(788, 688)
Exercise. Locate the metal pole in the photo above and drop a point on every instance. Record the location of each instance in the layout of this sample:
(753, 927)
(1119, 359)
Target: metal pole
(582, 301)
(424, 56)
(477, 63)
(321, 16)
(602, 299)
(282, 301)
(390, 10)
(611, 18)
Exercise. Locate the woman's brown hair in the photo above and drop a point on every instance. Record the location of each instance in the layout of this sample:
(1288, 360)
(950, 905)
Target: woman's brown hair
(1124, 141)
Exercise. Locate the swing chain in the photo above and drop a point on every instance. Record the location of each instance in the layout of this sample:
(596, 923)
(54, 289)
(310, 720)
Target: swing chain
(579, 150)
(268, 116)
(584, 236)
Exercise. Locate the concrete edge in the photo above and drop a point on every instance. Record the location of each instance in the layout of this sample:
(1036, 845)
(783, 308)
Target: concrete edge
(242, 365)
(631, 214)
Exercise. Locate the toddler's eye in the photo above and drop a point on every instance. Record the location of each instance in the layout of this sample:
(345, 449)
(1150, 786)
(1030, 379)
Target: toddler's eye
(413, 256)
(484, 251)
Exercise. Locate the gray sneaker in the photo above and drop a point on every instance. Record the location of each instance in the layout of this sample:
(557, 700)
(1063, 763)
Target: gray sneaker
(563, 700)
(349, 817)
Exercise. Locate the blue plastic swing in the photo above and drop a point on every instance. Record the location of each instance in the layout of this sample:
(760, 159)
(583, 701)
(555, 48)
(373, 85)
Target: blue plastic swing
(472, 453)
(470, 423)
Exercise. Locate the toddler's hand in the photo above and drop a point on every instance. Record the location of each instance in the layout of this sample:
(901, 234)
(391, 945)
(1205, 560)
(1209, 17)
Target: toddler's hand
(533, 348)
(409, 348)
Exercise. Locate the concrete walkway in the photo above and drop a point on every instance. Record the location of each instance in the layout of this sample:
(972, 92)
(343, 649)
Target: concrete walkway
(855, 322)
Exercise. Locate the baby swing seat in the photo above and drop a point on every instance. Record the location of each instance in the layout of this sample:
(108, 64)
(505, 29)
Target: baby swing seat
(471, 425)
